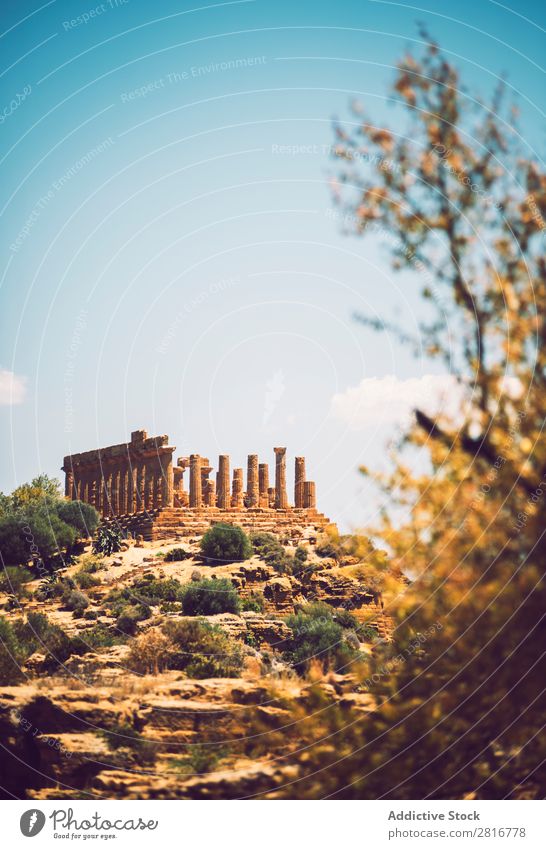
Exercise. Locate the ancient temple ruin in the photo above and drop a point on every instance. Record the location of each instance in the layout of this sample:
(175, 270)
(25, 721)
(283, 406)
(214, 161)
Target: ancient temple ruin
(137, 485)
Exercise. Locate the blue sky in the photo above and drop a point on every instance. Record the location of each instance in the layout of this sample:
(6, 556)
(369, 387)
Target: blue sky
(168, 256)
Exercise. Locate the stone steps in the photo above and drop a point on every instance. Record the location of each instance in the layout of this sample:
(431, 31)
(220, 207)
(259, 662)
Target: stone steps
(180, 522)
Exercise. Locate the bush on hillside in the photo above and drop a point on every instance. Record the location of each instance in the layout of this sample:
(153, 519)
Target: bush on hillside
(205, 598)
(316, 636)
(202, 650)
(225, 544)
(270, 550)
(14, 578)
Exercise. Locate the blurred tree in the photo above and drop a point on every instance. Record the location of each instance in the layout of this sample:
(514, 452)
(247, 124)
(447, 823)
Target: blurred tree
(460, 691)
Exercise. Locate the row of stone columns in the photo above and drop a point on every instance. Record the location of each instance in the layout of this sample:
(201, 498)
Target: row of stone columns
(129, 488)
(133, 484)
(229, 494)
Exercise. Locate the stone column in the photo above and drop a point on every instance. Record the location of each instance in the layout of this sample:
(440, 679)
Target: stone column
(263, 484)
(196, 495)
(141, 486)
(252, 483)
(210, 494)
(101, 496)
(299, 481)
(108, 493)
(83, 487)
(167, 492)
(309, 495)
(271, 496)
(131, 488)
(115, 491)
(122, 508)
(149, 487)
(206, 469)
(237, 491)
(69, 485)
(281, 498)
(224, 500)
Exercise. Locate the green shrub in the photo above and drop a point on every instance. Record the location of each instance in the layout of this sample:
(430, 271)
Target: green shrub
(108, 540)
(123, 736)
(301, 554)
(225, 544)
(345, 619)
(317, 636)
(81, 516)
(155, 590)
(130, 615)
(14, 578)
(38, 526)
(76, 601)
(12, 656)
(205, 598)
(170, 607)
(367, 633)
(201, 759)
(38, 634)
(176, 554)
(270, 550)
(52, 587)
(100, 636)
(85, 580)
(328, 549)
(127, 622)
(255, 602)
(202, 650)
(146, 591)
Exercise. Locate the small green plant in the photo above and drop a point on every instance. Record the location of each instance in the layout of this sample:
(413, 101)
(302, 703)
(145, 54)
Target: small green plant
(127, 622)
(301, 554)
(76, 601)
(201, 759)
(345, 619)
(270, 550)
(12, 655)
(225, 544)
(123, 736)
(328, 549)
(176, 554)
(170, 607)
(107, 540)
(130, 616)
(52, 587)
(85, 580)
(254, 602)
(206, 598)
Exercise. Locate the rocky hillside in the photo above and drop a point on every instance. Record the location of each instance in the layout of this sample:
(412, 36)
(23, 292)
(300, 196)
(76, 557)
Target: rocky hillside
(157, 673)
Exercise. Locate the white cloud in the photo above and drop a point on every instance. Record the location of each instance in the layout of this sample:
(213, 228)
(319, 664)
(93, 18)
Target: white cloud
(388, 400)
(12, 388)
